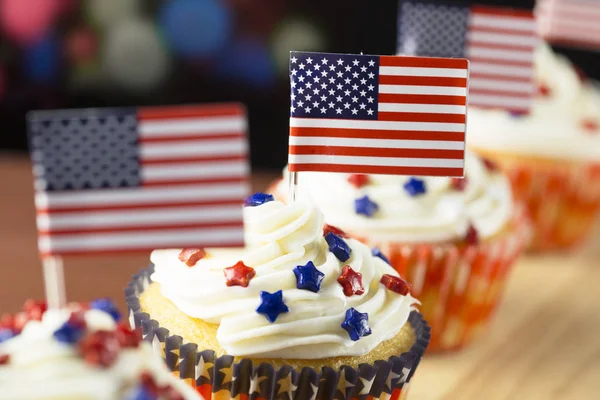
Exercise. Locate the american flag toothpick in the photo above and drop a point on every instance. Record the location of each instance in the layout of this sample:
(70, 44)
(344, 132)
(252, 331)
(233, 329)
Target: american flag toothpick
(377, 114)
(499, 42)
(570, 22)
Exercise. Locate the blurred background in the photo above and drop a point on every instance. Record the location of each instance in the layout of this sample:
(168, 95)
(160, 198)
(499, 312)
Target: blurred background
(94, 53)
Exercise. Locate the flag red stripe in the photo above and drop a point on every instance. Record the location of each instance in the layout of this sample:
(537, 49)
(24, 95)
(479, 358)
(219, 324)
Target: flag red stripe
(421, 117)
(496, 61)
(504, 11)
(422, 81)
(480, 75)
(375, 169)
(191, 138)
(165, 205)
(129, 250)
(193, 181)
(422, 99)
(500, 46)
(377, 152)
(195, 159)
(193, 111)
(503, 31)
(377, 134)
(120, 228)
(506, 93)
(423, 62)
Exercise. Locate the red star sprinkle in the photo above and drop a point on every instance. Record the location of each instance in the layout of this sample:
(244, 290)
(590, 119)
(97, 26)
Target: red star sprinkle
(20, 319)
(7, 322)
(490, 165)
(77, 320)
(459, 183)
(147, 380)
(358, 180)
(239, 274)
(333, 229)
(544, 90)
(472, 237)
(170, 393)
(4, 359)
(100, 348)
(396, 284)
(164, 392)
(127, 337)
(351, 281)
(191, 256)
(35, 309)
(589, 125)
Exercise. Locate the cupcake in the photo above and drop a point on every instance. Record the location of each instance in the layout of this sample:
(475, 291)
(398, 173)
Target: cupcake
(552, 155)
(80, 352)
(453, 239)
(300, 311)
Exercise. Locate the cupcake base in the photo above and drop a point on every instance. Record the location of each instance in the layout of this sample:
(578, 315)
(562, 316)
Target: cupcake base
(224, 377)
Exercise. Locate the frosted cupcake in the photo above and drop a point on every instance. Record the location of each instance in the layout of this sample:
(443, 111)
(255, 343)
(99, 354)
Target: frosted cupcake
(552, 156)
(299, 310)
(80, 353)
(453, 239)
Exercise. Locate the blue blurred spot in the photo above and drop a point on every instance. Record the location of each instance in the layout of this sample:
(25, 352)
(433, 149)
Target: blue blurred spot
(42, 60)
(195, 28)
(248, 61)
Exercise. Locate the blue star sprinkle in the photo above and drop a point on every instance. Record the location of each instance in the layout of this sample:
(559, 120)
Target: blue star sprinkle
(357, 324)
(6, 334)
(308, 277)
(141, 393)
(377, 253)
(107, 306)
(272, 305)
(415, 187)
(258, 198)
(365, 206)
(338, 247)
(69, 333)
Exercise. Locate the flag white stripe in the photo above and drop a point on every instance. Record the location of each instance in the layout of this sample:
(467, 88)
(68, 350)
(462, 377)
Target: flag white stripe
(191, 126)
(508, 101)
(167, 172)
(378, 161)
(502, 22)
(428, 72)
(411, 89)
(375, 143)
(157, 151)
(377, 125)
(495, 69)
(132, 240)
(422, 108)
(139, 196)
(499, 84)
(584, 9)
(139, 217)
(499, 54)
(502, 38)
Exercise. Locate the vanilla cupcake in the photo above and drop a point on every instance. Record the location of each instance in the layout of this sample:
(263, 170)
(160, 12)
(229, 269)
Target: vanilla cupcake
(80, 353)
(453, 239)
(299, 310)
(552, 155)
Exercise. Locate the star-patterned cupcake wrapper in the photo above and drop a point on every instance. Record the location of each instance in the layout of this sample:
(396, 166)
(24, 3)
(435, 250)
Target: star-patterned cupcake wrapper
(221, 378)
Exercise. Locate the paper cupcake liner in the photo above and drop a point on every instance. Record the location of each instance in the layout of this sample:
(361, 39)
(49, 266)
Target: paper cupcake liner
(563, 199)
(220, 378)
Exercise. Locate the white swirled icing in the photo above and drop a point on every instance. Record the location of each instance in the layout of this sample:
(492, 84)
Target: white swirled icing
(554, 126)
(42, 368)
(441, 214)
(280, 237)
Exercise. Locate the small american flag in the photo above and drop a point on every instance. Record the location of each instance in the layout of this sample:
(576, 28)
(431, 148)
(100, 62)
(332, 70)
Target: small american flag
(570, 22)
(121, 180)
(499, 43)
(377, 114)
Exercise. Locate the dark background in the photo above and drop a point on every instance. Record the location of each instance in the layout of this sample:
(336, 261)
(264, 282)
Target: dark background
(242, 66)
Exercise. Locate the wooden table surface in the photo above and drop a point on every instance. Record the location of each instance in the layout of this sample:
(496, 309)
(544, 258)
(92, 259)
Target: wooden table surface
(544, 343)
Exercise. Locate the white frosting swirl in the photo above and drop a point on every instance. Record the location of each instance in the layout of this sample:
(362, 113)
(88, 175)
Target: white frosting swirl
(554, 128)
(42, 368)
(280, 237)
(441, 214)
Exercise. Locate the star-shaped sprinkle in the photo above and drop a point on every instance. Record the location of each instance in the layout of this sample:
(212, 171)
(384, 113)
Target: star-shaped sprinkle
(356, 324)
(415, 187)
(107, 306)
(239, 274)
(459, 183)
(544, 90)
(472, 236)
(364, 206)
(71, 331)
(351, 281)
(333, 229)
(4, 359)
(258, 198)
(377, 253)
(141, 392)
(308, 277)
(395, 284)
(358, 180)
(99, 348)
(6, 334)
(338, 247)
(490, 165)
(272, 305)
(191, 256)
(128, 338)
(589, 125)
